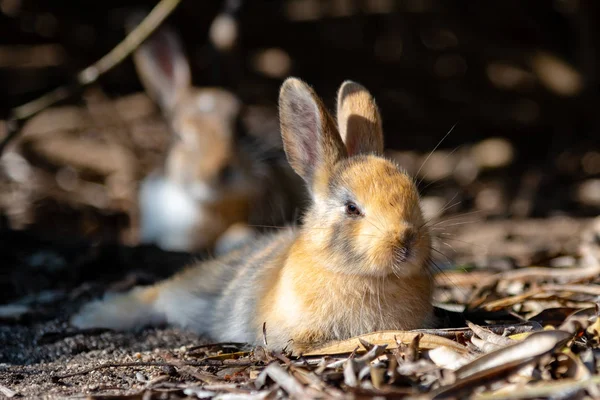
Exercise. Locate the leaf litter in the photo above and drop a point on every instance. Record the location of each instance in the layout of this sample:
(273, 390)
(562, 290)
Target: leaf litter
(527, 332)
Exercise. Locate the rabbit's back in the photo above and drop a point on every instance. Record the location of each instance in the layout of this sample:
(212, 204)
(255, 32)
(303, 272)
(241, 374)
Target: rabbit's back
(220, 297)
(358, 263)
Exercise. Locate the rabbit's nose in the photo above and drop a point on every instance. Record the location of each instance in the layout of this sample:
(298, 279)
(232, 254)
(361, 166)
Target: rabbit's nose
(408, 237)
(406, 240)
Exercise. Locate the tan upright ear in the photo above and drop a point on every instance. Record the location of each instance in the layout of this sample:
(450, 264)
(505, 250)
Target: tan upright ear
(161, 65)
(358, 120)
(310, 138)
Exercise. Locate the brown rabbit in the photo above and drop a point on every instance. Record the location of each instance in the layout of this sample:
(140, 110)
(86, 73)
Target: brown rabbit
(211, 180)
(359, 262)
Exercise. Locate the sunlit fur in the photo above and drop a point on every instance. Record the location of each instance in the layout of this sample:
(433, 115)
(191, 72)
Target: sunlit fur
(337, 275)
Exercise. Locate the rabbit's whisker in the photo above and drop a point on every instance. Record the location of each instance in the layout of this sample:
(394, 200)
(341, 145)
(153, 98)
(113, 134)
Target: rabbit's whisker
(445, 276)
(442, 254)
(441, 179)
(432, 151)
(455, 217)
(381, 320)
(362, 308)
(461, 241)
(431, 223)
(448, 245)
(450, 225)
(448, 205)
(269, 226)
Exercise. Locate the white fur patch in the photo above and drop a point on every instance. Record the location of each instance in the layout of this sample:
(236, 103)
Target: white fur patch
(236, 332)
(184, 309)
(168, 214)
(119, 312)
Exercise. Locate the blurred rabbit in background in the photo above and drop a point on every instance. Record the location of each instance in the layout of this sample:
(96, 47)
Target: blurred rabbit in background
(214, 180)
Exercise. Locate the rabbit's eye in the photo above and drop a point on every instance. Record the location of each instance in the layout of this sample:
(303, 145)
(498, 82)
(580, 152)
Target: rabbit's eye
(352, 209)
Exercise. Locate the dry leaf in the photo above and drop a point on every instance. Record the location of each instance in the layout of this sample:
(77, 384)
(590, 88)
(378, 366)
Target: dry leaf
(388, 338)
(557, 389)
(445, 357)
(489, 341)
(536, 345)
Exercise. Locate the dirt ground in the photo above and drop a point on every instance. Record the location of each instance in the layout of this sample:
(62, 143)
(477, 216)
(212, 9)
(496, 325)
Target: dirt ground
(38, 345)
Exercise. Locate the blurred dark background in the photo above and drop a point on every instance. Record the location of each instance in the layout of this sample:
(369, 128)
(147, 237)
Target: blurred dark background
(517, 79)
(526, 70)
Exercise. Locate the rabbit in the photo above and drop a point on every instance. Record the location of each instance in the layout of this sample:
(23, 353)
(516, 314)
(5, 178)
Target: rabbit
(211, 179)
(359, 262)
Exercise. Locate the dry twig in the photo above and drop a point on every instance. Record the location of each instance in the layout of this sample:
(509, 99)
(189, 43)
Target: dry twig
(90, 74)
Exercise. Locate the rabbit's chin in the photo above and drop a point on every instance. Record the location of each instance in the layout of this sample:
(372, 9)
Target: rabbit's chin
(388, 266)
(411, 267)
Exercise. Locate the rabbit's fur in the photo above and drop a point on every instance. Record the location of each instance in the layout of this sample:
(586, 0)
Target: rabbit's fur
(359, 263)
(211, 179)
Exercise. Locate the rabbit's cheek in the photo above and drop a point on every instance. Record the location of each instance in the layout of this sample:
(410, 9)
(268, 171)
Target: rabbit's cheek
(380, 255)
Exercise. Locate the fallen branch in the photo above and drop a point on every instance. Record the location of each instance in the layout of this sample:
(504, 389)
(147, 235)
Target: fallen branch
(90, 74)
(186, 368)
(112, 365)
(178, 364)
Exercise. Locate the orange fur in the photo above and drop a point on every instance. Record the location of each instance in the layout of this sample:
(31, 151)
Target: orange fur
(358, 119)
(318, 295)
(332, 305)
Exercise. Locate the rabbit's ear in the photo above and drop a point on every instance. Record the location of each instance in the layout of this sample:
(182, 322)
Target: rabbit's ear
(310, 138)
(358, 120)
(162, 66)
